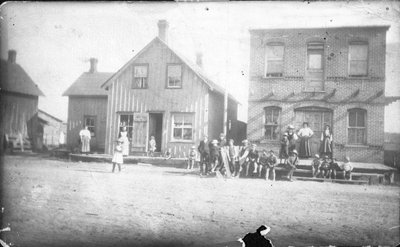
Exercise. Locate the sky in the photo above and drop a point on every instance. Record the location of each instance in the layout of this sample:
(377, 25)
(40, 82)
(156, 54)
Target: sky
(54, 41)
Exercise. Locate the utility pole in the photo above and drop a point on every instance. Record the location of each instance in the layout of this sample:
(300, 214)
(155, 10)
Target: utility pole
(225, 110)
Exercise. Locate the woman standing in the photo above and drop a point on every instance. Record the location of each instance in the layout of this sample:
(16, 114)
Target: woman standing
(85, 140)
(125, 141)
(326, 142)
(305, 134)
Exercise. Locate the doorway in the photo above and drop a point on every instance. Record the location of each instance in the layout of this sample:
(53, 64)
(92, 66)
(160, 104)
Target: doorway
(316, 118)
(155, 128)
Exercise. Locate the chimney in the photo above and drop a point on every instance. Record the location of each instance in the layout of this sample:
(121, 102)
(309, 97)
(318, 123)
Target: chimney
(93, 65)
(163, 30)
(12, 56)
(199, 59)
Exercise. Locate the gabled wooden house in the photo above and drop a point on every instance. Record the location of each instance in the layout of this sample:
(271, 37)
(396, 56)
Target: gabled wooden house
(19, 97)
(160, 93)
(87, 105)
(52, 128)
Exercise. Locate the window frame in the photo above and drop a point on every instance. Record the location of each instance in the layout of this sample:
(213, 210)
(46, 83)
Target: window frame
(167, 77)
(266, 60)
(357, 111)
(277, 126)
(94, 126)
(192, 115)
(357, 42)
(129, 128)
(134, 78)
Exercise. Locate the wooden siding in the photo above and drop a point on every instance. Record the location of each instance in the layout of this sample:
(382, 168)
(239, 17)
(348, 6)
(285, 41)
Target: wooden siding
(18, 114)
(78, 107)
(191, 98)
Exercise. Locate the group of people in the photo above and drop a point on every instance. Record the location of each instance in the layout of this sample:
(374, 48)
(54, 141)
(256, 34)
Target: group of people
(243, 161)
(289, 139)
(328, 167)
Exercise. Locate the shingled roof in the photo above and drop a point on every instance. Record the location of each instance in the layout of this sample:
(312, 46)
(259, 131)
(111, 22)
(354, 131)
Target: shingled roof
(88, 84)
(14, 79)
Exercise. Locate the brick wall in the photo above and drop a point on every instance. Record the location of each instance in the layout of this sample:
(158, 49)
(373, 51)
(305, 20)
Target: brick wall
(336, 78)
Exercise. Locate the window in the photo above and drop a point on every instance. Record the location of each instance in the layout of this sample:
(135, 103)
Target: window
(126, 120)
(358, 59)
(182, 127)
(272, 119)
(90, 122)
(357, 130)
(315, 67)
(140, 73)
(174, 74)
(274, 60)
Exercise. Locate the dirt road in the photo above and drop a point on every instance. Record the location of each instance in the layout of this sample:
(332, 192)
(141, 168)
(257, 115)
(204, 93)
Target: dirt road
(57, 203)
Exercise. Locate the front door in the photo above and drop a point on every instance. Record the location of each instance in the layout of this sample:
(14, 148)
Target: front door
(136, 124)
(155, 128)
(317, 119)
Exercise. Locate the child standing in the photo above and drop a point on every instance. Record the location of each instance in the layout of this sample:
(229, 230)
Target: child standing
(253, 159)
(291, 164)
(233, 158)
(284, 151)
(214, 155)
(192, 158)
(152, 146)
(347, 168)
(118, 157)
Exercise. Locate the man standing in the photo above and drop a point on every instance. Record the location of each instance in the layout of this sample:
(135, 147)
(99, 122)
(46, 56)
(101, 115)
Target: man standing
(204, 150)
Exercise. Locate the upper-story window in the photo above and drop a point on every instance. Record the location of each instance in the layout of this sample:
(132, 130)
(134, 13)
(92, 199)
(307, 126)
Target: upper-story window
(174, 76)
(274, 60)
(315, 67)
(140, 74)
(358, 59)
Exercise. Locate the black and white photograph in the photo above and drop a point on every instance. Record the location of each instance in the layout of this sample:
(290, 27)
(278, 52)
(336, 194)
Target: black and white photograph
(200, 123)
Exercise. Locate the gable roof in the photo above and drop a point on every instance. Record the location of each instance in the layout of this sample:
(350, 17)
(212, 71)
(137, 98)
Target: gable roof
(15, 79)
(192, 66)
(48, 115)
(88, 84)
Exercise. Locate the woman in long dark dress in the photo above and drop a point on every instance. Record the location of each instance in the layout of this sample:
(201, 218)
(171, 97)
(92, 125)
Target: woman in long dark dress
(326, 142)
(305, 134)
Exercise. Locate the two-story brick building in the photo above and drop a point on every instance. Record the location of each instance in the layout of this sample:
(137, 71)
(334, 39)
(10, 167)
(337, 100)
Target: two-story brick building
(333, 76)
(160, 93)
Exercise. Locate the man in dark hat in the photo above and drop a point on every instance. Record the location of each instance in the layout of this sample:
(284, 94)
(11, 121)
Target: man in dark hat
(257, 239)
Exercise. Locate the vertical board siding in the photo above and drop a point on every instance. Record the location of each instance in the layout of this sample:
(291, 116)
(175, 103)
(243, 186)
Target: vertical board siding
(78, 107)
(17, 111)
(192, 97)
